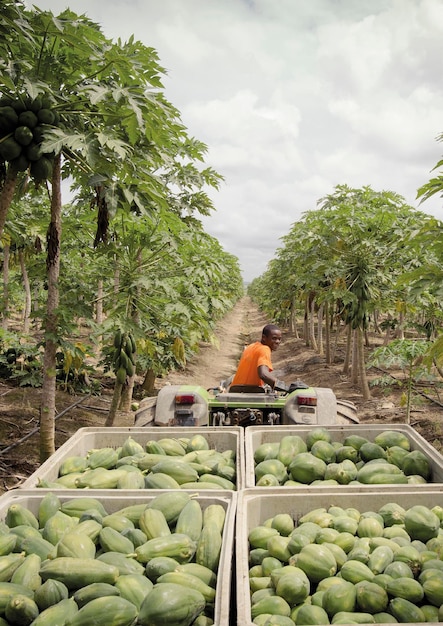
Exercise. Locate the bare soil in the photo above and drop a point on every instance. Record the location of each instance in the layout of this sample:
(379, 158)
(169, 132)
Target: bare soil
(19, 407)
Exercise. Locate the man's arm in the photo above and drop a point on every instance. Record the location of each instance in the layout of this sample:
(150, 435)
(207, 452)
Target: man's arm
(266, 375)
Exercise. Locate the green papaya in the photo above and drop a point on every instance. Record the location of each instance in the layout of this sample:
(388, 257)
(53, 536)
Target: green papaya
(417, 463)
(45, 116)
(41, 169)
(370, 451)
(407, 588)
(21, 609)
(23, 135)
(356, 441)
(94, 590)
(305, 468)
(35, 105)
(8, 118)
(388, 438)
(421, 523)
(290, 446)
(10, 149)
(370, 597)
(172, 604)
(316, 434)
(317, 562)
(28, 118)
(341, 597)
(20, 164)
(405, 611)
(33, 152)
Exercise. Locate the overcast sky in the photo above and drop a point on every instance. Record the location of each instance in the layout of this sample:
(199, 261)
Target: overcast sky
(293, 97)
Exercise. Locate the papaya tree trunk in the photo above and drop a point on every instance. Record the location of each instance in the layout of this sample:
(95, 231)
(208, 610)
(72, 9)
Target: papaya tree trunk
(327, 334)
(291, 317)
(320, 329)
(312, 339)
(99, 313)
(400, 330)
(126, 396)
(294, 320)
(47, 407)
(149, 382)
(354, 366)
(306, 322)
(99, 304)
(5, 295)
(364, 386)
(377, 328)
(6, 196)
(27, 288)
(347, 359)
(115, 402)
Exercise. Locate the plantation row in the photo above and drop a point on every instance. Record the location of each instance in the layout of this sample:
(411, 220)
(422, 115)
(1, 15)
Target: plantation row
(363, 261)
(128, 258)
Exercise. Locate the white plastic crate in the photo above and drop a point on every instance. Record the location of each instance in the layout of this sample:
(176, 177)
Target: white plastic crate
(258, 504)
(113, 502)
(257, 435)
(85, 439)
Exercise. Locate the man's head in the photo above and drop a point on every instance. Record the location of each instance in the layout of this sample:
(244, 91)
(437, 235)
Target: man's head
(271, 336)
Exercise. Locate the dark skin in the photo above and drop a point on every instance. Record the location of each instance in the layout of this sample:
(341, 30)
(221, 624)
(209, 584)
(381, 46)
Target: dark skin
(271, 336)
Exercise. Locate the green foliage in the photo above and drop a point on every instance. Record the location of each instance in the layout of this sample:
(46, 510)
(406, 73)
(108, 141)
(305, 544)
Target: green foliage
(351, 252)
(22, 364)
(400, 353)
(73, 373)
(435, 354)
(101, 104)
(435, 184)
(406, 355)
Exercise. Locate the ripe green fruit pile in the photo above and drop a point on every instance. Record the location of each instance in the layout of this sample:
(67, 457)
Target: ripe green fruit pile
(319, 460)
(124, 356)
(22, 122)
(338, 565)
(83, 561)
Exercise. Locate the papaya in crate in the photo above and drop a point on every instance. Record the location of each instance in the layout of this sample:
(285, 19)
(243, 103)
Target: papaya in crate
(172, 604)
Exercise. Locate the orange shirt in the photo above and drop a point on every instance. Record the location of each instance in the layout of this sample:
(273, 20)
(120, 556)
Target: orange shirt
(253, 356)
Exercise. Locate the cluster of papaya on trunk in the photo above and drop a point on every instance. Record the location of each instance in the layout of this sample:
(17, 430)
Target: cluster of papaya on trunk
(23, 122)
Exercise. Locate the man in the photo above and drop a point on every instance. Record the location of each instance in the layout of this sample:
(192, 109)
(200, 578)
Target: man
(255, 366)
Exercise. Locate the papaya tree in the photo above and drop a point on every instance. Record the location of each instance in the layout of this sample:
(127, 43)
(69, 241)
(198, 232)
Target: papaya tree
(175, 282)
(408, 355)
(25, 231)
(348, 255)
(110, 129)
(425, 282)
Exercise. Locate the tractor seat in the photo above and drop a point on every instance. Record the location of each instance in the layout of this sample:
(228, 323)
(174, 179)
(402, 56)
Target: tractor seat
(246, 389)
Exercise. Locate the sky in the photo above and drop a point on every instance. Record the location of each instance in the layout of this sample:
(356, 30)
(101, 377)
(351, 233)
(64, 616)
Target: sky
(294, 97)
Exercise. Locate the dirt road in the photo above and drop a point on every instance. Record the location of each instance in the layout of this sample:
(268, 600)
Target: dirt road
(217, 361)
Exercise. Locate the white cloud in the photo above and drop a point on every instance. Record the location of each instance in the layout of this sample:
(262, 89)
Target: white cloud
(293, 97)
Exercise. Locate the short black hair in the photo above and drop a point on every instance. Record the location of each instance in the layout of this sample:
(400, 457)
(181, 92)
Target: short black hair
(268, 329)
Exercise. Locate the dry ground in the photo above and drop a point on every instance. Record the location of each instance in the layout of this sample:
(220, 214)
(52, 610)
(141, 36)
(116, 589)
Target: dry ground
(19, 408)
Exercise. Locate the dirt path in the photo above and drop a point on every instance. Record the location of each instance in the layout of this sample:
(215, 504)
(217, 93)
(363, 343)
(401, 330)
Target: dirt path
(217, 361)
